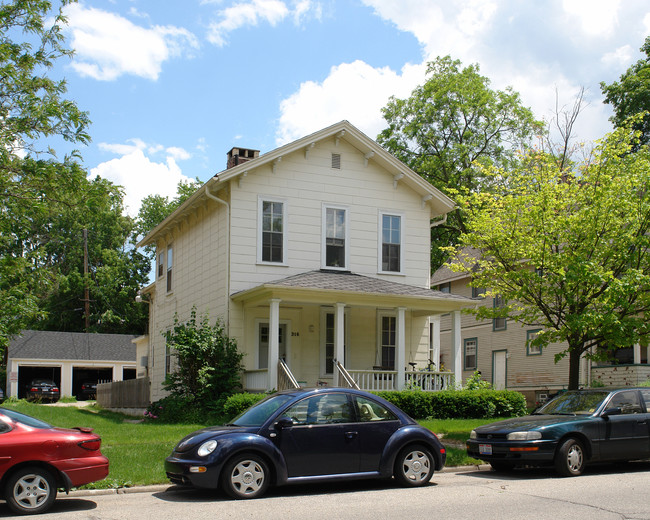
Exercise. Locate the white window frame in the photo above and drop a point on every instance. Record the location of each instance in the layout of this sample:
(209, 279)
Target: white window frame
(261, 199)
(160, 264)
(380, 241)
(323, 259)
(323, 337)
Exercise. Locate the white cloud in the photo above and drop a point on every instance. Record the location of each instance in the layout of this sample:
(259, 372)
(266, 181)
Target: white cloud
(247, 14)
(620, 58)
(108, 46)
(140, 175)
(353, 91)
(594, 17)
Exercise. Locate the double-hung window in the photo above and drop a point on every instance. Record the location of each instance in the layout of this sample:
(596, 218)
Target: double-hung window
(470, 345)
(272, 234)
(391, 243)
(335, 237)
(498, 323)
(532, 350)
(170, 265)
(388, 338)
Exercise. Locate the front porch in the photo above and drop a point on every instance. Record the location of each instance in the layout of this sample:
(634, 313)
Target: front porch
(385, 334)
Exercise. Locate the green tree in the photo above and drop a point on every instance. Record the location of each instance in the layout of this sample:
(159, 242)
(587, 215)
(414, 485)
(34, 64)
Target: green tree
(631, 95)
(449, 126)
(156, 208)
(567, 250)
(44, 238)
(33, 109)
(208, 364)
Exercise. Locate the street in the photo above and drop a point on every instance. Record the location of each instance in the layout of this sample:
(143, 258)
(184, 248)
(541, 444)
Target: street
(603, 492)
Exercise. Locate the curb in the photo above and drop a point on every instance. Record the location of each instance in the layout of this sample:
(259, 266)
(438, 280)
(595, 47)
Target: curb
(161, 488)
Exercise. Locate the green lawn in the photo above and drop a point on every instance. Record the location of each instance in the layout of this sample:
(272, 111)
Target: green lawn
(136, 451)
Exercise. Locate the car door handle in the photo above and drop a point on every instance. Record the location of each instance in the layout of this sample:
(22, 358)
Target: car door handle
(351, 435)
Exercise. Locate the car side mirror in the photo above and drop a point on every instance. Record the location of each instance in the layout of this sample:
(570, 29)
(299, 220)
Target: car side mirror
(283, 422)
(612, 411)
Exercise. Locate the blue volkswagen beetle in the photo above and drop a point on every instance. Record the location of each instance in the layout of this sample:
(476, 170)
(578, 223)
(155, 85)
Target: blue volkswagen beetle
(572, 430)
(301, 436)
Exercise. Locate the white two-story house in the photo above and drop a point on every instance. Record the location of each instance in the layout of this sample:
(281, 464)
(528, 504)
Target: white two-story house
(326, 241)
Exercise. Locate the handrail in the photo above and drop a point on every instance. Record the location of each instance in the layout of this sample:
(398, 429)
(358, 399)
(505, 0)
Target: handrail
(346, 376)
(286, 379)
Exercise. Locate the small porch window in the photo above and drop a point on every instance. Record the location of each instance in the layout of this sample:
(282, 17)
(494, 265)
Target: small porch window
(388, 342)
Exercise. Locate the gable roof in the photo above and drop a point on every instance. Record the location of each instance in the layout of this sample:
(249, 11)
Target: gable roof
(38, 344)
(439, 203)
(445, 274)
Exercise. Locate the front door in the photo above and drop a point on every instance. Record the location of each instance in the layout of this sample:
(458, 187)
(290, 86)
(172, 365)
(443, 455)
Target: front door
(263, 344)
(499, 369)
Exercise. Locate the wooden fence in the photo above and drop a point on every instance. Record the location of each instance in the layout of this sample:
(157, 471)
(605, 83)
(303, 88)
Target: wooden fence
(132, 393)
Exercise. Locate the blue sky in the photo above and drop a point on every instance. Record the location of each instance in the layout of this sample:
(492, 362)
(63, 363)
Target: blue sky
(172, 85)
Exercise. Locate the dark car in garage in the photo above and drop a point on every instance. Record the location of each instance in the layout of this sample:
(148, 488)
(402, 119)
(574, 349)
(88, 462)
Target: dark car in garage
(42, 390)
(574, 429)
(308, 435)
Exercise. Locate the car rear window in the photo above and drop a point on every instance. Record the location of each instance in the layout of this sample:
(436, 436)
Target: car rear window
(24, 419)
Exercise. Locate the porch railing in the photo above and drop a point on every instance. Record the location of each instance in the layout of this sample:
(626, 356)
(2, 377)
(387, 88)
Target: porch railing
(345, 379)
(374, 380)
(286, 380)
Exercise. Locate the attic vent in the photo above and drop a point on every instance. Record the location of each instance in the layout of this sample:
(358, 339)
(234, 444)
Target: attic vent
(336, 161)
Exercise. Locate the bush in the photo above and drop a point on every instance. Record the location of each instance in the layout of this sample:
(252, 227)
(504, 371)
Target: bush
(458, 404)
(237, 403)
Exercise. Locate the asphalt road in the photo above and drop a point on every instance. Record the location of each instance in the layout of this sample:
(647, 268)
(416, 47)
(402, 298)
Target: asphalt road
(603, 492)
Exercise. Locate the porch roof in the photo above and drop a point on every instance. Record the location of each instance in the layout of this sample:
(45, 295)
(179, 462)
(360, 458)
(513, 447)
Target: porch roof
(330, 287)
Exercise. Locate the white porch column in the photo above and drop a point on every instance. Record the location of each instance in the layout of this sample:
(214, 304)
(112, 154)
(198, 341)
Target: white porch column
(274, 344)
(457, 348)
(66, 379)
(435, 340)
(400, 347)
(339, 339)
(637, 354)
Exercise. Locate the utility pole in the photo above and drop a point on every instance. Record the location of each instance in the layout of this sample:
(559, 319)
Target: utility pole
(86, 289)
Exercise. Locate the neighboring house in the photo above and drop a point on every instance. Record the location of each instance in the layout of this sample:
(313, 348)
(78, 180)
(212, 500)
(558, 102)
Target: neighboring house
(499, 349)
(69, 359)
(325, 240)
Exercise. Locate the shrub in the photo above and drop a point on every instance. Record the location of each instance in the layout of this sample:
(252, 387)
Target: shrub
(237, 403)
(458, 404)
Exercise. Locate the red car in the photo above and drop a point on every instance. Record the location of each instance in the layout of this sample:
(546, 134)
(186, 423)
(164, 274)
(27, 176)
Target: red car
(37, 459)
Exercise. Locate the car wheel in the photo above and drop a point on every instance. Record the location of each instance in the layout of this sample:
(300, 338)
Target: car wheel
(414, 466)
(246, 476)
(502, 466)
(30, 490)
(570, 458)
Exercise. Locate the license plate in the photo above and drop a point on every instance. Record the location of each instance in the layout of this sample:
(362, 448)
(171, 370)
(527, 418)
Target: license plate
(485, 449)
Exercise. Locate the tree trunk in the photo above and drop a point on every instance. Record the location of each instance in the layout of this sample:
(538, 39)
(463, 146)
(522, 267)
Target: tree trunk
(574, 368)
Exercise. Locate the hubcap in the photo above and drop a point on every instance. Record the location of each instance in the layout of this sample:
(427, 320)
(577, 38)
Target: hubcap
(31, 491)
(247, 477)
(416, 466)
(574, 458)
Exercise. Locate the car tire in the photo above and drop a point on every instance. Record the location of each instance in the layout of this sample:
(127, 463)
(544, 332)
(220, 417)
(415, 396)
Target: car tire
(570, 459)
(30, 490)
(245, 476)
(502, 467)
(414, 466)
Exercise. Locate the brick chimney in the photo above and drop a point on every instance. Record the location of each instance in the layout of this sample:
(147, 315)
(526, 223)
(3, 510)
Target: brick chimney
(237, 156)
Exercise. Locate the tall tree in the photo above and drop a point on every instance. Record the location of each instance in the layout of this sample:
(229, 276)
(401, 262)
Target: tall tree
(631, 95)
(568, 250)
(32, 109)
(58, 206)
(156, 208)
(451, 124)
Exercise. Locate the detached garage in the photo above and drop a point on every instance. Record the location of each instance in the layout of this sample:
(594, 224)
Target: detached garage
(70, 359)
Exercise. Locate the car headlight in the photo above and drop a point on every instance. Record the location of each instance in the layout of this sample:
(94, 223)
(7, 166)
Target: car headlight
(524, 436)
(206, 448)
(473, 435)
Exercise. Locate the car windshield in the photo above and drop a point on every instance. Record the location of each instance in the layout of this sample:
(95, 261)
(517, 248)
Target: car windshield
(24, 419)
(573, 403)
(258, 414)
